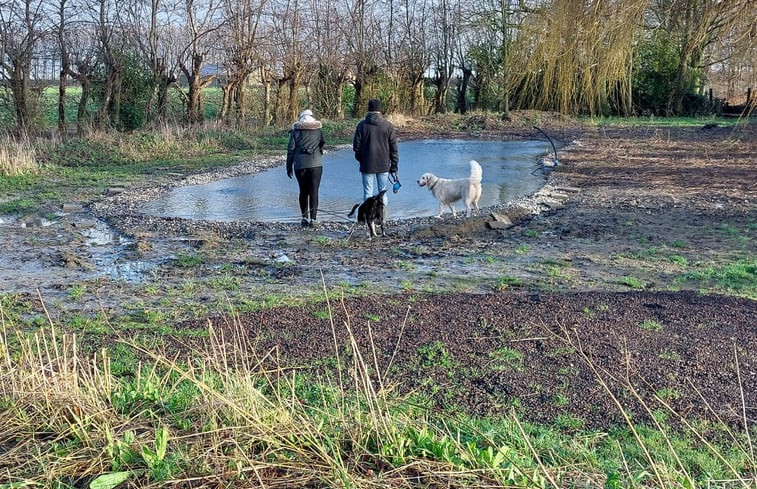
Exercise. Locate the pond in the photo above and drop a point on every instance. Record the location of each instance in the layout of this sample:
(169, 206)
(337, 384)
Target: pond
(511, 169)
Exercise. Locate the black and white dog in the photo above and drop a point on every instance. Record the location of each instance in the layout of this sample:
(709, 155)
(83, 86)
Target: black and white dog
(371, 213)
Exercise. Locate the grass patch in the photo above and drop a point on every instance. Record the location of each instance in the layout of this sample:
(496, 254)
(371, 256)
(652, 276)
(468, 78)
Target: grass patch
(653, 121)
(505, 358)
(506, 282)
(632, 282)
(650, 325)
(737, 278)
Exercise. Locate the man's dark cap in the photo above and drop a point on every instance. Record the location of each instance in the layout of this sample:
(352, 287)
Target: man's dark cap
(374, 105)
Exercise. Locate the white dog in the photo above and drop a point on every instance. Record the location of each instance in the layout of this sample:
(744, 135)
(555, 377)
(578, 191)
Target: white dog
(448, 191)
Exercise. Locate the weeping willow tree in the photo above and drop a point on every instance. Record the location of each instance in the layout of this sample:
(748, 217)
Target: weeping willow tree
(576, 57)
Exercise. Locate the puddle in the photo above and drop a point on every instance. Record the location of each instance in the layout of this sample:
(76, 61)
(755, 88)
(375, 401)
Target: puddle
(511, 169)
(130, 271)
(101, 235)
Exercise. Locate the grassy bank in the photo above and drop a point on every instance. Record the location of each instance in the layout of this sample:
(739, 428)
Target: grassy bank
(38, 175)
(230, 416)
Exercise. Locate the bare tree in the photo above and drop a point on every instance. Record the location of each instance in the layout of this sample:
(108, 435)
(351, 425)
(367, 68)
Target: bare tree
(411, 54)
(364, 45)
(78, 55)
(242, 45)
(332, 68)
(730, 64)
(447, 26)
(694, 25)
(22, 24)
(103, 25)
(290, 46)
(152, 31)
(200, 21)
(485, 56)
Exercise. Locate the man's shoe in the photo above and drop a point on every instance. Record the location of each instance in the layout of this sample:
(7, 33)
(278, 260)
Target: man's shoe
(304, 223)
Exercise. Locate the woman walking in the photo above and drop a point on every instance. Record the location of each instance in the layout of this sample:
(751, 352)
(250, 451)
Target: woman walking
(305, 161)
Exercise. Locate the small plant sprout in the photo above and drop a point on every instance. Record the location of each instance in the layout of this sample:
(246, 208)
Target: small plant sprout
(505, 282)
(522, 249)
(76, 292)
(670, 355)
(632, 282)
(187, 261)
(651, 325)
(506, 358)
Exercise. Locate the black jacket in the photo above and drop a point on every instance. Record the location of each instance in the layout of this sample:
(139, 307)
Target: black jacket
(375, 144)
(305, 147)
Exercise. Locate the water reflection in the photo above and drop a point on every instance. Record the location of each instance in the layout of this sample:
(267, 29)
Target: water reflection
(510, 171)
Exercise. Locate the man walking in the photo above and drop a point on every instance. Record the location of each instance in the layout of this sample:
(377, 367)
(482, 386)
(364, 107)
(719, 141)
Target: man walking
(375, 147)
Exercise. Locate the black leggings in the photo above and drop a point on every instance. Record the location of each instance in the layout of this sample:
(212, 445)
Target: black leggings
(309, 180)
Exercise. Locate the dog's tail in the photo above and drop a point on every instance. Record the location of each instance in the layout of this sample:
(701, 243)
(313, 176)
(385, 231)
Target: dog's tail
(476, 172)
(353, 210)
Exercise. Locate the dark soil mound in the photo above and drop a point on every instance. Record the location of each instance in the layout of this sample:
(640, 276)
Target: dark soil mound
(557, 358)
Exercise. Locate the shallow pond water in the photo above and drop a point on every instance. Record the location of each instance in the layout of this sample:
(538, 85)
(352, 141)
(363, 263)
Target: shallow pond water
(511, 169)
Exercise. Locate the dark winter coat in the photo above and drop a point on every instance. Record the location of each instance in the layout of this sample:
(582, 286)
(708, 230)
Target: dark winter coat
(375, 144)
(305, 147)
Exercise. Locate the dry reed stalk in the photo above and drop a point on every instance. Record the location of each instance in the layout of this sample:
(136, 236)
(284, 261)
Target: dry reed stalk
(17, 157)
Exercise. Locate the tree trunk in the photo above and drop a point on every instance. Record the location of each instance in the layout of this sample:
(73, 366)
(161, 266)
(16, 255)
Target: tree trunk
(82, 120)
(20, 89)
(267, 118)
(225, 114)
(103, 120)
(461, 105)
(440, 98)
(293, 101)
(358, 103)
(240, 101)
(162, 101)
(62, 101)
(115, 106)
(339, 113)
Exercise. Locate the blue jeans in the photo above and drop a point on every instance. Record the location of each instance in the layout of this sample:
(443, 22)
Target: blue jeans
(373, 180)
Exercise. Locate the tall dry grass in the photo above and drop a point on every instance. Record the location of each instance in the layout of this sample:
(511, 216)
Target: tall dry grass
(228, 415)
(17, 157)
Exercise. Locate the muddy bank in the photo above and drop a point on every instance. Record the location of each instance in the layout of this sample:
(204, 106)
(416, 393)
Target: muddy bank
(620, 204)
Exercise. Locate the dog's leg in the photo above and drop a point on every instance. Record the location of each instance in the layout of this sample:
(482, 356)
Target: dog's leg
(372, 230)
(469, 205)
(452, 208)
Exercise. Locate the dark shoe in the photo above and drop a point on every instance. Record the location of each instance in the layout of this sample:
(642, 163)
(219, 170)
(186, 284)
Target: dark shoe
(304, 223)
(313, 223)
